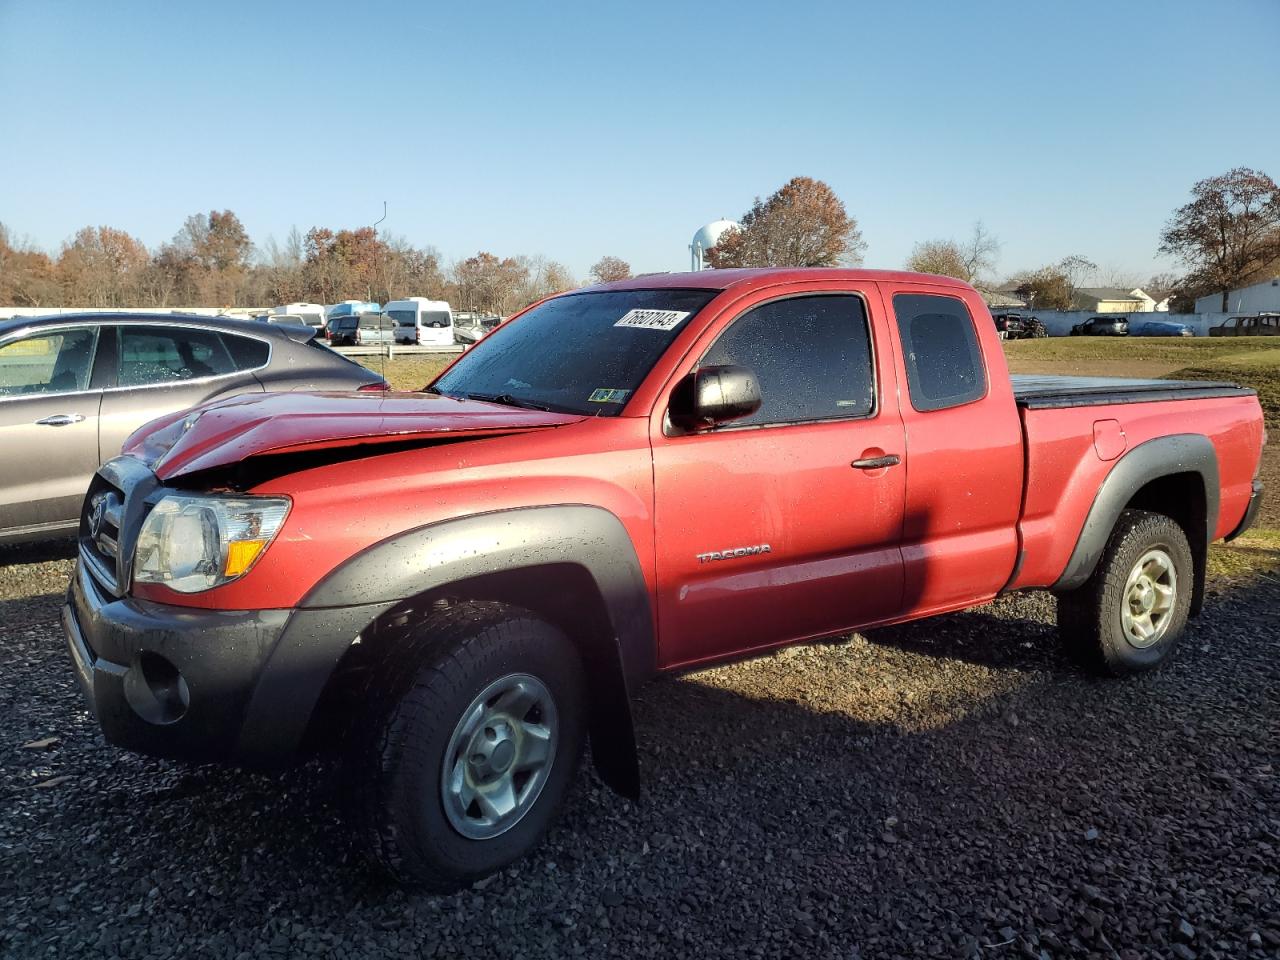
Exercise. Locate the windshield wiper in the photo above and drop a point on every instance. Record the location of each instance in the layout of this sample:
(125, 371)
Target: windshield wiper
(507, 400)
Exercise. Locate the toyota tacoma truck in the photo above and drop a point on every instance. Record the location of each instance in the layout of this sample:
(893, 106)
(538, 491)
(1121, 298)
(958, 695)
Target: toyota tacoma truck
(459, 588)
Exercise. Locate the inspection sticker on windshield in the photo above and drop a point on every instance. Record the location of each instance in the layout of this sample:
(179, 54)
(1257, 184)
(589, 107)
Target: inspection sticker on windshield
(652, 319)
(604, 395)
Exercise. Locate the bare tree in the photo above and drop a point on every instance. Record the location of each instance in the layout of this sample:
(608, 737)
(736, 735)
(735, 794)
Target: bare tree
(979, 253)
(1228, 232)
(1075, 268)
(802, 224)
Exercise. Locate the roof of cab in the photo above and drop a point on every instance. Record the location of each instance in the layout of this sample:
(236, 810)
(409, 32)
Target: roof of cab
(768, 276)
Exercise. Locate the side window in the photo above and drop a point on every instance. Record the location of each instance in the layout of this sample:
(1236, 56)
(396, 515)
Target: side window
(57, 362)
(246, 352)
(153, 355)
(811, 357)
(944, 364)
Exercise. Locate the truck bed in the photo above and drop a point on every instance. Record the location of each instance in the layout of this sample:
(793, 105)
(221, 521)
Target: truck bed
(1036, 392)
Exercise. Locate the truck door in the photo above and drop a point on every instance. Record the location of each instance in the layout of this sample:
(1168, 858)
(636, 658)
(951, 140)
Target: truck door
(783, 525)
(964, 488)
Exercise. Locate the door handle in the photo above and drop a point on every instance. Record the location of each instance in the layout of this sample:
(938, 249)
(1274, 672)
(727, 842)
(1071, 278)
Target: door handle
(877, 463)
(60, 420)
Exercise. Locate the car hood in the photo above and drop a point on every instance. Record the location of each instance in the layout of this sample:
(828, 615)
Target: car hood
(229, 431)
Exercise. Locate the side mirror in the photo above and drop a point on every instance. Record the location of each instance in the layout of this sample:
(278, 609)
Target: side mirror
(714, 395)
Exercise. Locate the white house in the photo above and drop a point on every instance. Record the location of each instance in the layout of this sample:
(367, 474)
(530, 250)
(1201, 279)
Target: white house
(1115, 300)
(1262, 297)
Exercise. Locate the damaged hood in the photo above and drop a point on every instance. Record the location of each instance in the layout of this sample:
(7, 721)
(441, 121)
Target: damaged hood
(229, 431)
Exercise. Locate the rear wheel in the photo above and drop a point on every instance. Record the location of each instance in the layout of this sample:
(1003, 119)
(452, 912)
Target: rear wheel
(1129, 615)
(468, 766)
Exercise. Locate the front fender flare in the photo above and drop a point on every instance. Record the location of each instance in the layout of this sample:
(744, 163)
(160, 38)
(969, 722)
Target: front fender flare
(531, 543)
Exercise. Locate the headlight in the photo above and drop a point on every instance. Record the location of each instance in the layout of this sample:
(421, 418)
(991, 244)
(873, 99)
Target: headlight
(192, 543)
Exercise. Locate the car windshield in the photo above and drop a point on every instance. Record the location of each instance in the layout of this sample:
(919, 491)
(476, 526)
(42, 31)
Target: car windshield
(579, 353)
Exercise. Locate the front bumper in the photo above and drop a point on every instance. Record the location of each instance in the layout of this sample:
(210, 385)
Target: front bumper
(169, 681)
(1250, 513)
(231, 686)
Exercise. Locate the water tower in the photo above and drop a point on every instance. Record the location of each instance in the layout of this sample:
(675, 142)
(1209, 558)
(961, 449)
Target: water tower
(706, 238)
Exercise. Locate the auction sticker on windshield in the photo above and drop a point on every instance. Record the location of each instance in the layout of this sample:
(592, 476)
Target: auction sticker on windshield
(652, 319)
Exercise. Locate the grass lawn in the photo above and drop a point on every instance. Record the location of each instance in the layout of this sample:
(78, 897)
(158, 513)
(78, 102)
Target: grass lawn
(407, 373)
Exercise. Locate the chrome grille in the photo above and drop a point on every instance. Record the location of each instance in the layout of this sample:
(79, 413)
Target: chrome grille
(114, 508)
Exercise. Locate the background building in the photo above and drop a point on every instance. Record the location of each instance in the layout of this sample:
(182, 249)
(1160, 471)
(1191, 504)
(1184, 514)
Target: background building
(1262, 297)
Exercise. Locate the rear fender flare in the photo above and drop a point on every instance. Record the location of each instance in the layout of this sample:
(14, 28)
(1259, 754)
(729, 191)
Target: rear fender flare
(1152, 460)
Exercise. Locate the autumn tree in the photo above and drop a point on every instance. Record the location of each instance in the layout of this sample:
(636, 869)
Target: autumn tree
(543, 277)
(941, 257)
(1228, 232)
(608, 269)
(101, 267)
(1048, 288)
(803, 224)
(27, 277)
(487, 284)
(966, 260)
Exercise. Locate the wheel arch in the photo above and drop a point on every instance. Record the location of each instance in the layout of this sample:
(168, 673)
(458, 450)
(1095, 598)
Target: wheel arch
(573, 565)
(1176, 476)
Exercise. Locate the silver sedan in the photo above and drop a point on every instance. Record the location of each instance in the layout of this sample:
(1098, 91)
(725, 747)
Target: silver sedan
(73, 387)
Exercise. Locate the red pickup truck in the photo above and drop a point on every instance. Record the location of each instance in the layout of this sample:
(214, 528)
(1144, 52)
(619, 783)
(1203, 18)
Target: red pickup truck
(459, 586)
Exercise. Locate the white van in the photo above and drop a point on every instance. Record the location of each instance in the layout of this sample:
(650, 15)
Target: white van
(419, 320)
(312, 314)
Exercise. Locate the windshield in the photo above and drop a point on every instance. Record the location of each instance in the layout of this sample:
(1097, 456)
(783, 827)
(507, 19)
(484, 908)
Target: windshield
(580, 353)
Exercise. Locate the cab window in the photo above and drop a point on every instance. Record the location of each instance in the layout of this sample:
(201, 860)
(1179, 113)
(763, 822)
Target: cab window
(811, 357)
(940, 345)
(56, 362)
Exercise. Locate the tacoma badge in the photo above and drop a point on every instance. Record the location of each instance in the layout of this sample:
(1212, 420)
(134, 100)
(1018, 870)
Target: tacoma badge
(733, 553)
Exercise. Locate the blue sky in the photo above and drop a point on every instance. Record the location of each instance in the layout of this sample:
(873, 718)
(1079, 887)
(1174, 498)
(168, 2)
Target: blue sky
(579, 129)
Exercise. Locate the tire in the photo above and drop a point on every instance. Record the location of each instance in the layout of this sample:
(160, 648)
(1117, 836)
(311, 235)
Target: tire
(415, 762)
(1147, 570)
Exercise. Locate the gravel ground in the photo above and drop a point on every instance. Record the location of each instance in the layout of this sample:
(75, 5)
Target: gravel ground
(949, 789)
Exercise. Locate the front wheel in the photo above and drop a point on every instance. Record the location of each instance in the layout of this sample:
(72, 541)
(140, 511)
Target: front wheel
(1129, 615)
(467, 769)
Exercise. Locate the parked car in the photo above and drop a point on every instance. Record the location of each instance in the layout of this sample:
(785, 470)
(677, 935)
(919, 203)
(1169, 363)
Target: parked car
(1013, 326)
(419, 320)
(475, 330)
(375, 328)
(341, 331)
(73, 387)
(638, 478)
(1162, 328)
(1102, 327)
(1262, 325)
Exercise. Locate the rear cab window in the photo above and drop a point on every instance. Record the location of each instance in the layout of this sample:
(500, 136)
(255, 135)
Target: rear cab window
(940, 347)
